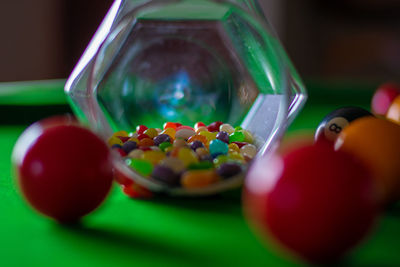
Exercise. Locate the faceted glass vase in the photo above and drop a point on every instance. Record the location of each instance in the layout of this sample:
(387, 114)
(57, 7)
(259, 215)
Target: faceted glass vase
(186, 61)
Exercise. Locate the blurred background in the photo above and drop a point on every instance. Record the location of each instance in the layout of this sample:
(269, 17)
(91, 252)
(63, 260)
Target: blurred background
(330, 40)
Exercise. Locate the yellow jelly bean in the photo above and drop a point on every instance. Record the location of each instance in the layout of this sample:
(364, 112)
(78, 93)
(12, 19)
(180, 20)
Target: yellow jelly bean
(234, 147)
(198, 178)
(236, 156)
(151, 132)
(135, 154)
(170, 131)
(187, 156)
(248, 150)
(153, 156)
(248, 137)
(209, 135)
(175, 164)
(226, 128)
(201, 129)
(115, 141)
(121, 133)
(198, 137)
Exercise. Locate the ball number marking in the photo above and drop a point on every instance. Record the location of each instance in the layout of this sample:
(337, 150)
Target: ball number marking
(334, 127)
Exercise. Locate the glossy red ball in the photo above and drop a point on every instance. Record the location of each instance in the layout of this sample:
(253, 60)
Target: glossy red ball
(312, 202)
(63, 170)
(383, 97)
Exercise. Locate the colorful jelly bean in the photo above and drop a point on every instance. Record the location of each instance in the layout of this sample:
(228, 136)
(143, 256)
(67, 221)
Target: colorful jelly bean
(170, 131)
(136, 154)
(223, 136)
(175, 164)
(187, 156)
(198, 178)
(151, 132)
(164, 145)
(228, 169)
(153, 156)
(236, 137)
(142, 166)
(129, 146)
(162, 138)
(226, 128)
(184, 133)
(248, 150)
(218, 147)
(140, 129)
(165, 174)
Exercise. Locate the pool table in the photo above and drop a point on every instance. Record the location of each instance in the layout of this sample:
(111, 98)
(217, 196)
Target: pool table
(162, 231)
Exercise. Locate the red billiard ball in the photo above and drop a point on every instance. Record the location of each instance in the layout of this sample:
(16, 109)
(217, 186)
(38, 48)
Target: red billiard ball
(383, 97)
(63, 170)
(312, 202)
(331, 126)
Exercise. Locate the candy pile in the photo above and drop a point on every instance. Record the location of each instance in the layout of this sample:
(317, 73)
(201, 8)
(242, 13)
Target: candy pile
(180, 155)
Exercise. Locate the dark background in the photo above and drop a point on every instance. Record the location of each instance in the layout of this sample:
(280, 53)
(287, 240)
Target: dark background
(330, 40)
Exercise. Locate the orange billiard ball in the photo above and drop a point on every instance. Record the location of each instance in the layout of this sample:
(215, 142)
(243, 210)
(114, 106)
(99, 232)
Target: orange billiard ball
(376, 142)
(393, 113)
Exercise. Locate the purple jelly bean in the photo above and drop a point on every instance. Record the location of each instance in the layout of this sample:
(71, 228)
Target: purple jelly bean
(161, 139)
(128, 146)
(165, 174)
(228, 169)
(223, 136)
(196, 144)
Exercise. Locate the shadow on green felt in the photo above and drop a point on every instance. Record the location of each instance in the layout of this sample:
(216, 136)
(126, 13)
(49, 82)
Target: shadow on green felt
(125, 241)
(223, 203)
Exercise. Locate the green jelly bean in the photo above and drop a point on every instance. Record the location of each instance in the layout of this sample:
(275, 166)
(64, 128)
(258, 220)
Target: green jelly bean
(238, 128)
(220, 160)
(164, 145)
(202, 165)
(143, 167)
(236, 137)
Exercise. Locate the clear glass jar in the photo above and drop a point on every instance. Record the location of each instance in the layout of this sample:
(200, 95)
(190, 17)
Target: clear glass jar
(186, 61)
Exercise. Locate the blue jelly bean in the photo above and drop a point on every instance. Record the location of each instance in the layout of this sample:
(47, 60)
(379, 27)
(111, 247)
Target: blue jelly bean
(218, 147)
(223, 136)
(196, 144)
(128, 146)
(161, 138)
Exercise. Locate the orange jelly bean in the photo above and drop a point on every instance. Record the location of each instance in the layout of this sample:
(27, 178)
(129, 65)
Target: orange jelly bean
(200, 138)
(199, 178)
(146, 142)
(170, 125)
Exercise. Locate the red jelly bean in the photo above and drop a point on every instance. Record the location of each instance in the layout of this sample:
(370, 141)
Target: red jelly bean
(199, 124)
(123, 138)
(136, 191)
(140, 129)
(178, 124)
(240, 144)
(143, 136)
(214, 127)
(120, 151)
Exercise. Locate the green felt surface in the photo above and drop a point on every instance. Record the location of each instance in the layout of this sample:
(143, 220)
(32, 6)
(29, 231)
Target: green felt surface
(165, 231)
